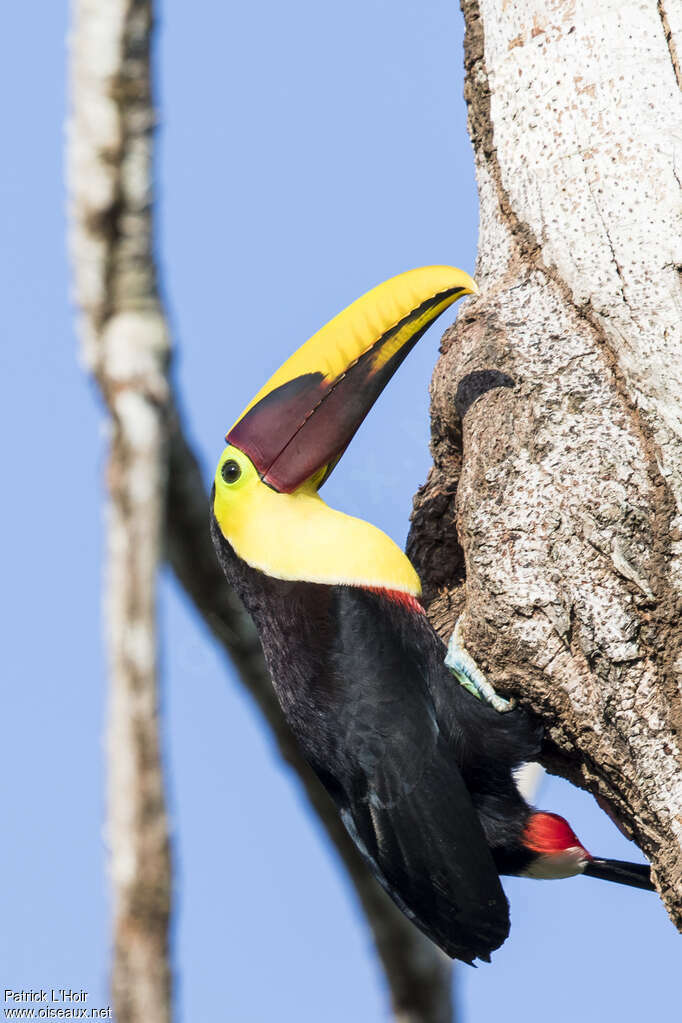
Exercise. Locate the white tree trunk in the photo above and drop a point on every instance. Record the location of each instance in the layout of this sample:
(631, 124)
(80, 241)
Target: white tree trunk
(557, 402)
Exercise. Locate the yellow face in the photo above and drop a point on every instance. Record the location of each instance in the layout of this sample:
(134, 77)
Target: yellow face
(298, 536)
(235, 476)
(238, 488)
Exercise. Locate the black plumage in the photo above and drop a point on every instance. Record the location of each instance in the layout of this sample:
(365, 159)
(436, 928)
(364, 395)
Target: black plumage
(420, 770)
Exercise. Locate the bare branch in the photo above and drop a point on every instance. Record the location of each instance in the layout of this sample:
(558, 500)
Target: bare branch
(125, 343)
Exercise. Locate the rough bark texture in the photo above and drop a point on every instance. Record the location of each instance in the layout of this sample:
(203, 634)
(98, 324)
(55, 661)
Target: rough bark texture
(156, 498)
(553, 513)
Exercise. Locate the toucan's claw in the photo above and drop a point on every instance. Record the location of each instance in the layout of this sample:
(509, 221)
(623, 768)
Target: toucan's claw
(468, 674)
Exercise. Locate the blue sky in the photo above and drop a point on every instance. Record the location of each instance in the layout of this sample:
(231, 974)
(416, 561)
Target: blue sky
(306, 154)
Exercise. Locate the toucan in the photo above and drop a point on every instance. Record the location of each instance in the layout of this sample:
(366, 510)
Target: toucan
(420, 767)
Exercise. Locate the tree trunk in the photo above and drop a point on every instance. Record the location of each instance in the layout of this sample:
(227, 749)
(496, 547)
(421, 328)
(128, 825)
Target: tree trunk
(552, 516)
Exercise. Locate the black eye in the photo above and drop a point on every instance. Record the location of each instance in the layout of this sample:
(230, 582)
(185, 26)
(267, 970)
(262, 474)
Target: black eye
(231, 471)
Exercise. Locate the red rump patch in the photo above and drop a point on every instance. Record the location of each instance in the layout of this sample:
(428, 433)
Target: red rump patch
(548, 833)
(406, 600)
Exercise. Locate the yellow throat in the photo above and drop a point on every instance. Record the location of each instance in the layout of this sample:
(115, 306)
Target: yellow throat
(299, 537)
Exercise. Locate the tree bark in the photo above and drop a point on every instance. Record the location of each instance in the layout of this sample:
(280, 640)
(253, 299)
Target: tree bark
(552, 516)
(157, 507)
(126, 347)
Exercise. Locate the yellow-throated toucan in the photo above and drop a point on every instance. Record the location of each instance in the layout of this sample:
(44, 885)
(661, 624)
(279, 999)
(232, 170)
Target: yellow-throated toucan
(420, 770)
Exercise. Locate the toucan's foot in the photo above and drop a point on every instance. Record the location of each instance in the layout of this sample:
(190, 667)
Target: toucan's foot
(468, 674)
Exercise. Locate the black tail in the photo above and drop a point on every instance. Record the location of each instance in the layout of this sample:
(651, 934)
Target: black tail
(637, 875)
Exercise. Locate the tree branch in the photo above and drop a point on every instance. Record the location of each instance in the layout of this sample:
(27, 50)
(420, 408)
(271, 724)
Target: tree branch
(125, 343)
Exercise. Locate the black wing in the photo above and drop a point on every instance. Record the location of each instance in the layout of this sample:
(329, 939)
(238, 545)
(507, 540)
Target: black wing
(396, 780)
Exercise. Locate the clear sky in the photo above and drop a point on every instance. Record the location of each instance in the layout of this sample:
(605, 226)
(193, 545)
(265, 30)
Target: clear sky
(307, 152)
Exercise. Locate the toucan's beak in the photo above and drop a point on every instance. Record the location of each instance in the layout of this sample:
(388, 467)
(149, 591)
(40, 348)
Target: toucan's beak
(300, 423)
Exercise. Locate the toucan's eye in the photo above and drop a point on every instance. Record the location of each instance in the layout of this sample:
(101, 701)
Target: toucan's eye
(231, 471)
